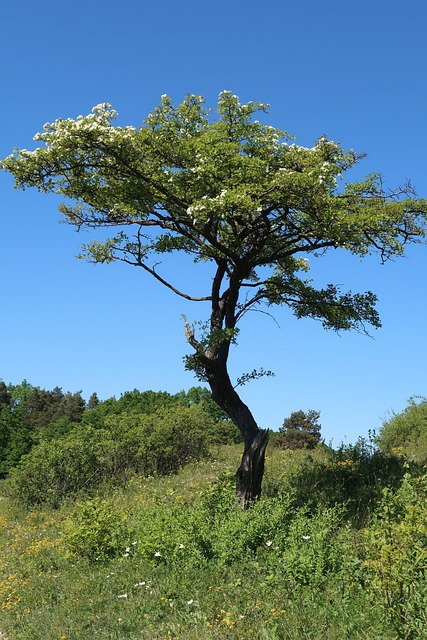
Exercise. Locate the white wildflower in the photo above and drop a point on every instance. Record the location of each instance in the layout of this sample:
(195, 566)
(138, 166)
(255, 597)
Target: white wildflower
(306, 537)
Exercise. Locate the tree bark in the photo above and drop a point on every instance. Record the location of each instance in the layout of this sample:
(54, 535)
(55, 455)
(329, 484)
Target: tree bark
(250, 473)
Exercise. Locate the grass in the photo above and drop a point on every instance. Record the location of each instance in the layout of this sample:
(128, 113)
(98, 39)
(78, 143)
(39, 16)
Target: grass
(186, 564)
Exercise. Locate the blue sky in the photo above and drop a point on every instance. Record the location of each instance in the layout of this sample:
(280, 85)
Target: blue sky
(356, 71)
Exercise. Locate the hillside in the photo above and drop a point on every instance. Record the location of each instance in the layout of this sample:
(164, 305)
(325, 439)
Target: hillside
(336, 548)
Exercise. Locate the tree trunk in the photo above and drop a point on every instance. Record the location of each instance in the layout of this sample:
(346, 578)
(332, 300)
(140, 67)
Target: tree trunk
(250, 473)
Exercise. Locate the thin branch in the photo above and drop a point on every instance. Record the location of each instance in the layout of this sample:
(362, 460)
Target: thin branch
(167, 284)
(152, 271)
(266, 313)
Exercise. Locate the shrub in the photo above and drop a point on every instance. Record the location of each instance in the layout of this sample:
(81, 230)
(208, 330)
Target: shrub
(353, 476)
(162, 442)
(395, 547)
(407, 431)
(56, 469)
(213, 528)
(150, 444)
(96, 531)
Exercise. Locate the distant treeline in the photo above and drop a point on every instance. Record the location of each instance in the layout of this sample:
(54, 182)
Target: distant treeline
(30, 415)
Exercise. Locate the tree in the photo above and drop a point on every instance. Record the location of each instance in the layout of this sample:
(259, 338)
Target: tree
(5, 397)
(236, 194)
(16, 438)
(43, 408)
(93, 402)
(300, 431)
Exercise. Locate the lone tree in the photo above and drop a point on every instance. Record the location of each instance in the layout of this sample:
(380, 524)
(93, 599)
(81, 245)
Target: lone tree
(234, 193)
(300, 431)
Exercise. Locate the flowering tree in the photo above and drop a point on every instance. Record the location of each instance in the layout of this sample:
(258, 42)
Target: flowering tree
(233, 193)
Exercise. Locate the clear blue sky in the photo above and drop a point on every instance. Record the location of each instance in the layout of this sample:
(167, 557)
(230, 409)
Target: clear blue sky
(356, 70)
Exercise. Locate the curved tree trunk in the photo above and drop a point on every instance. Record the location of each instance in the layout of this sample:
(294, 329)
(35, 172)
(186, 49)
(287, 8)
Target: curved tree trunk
(250, 473)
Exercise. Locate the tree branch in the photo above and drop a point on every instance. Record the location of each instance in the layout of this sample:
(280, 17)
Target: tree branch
(152, 271)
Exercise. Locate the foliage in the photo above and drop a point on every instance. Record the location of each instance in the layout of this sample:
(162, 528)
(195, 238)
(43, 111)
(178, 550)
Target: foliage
(29, 414)
(162, 442)
(96, 531)
(135, 401)
(16, 438)
(231, 192)
(396, 557)
(184, 561)
(5, 397)
(43, 408)
(229, 188)
(353, 476)
(300, 431)
(226, 432)
(149, 402)
(159, 443)
(56, 469)
(406, 432)
(92, 402)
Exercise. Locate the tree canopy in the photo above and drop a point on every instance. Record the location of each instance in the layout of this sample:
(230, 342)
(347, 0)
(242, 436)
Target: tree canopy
(300, 431)
(232, 192)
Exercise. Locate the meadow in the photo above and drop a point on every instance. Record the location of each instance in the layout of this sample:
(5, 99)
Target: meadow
(336, 548)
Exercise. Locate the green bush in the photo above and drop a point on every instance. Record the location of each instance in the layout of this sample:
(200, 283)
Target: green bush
(221, 429)
(354, 476)
(97, 531)
(56, 469)
(395, 547)
(149, 444)
(316, 546)
(406, 432)
(162, 442)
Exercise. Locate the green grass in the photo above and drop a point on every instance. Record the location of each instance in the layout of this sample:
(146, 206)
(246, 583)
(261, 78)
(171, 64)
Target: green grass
(281, 571)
